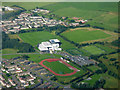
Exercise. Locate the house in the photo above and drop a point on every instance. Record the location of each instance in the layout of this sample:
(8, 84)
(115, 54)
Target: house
(1, 77)
(33, 65)
(13, 30)
(25, 84)
(74, 24)
(21, 80)
(24, 27)
(11, 66)
(43, 72)
(11, 69)
(8, 85)
(38, 68)
(63, 17)
(49, 75)
(11, 82)
(3, 82)
(75, 18)
(24, 73)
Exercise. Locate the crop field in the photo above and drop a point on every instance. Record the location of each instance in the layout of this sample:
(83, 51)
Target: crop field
(27, 5)
(109, 63)
(110, 81)
(93, 50)
(94, 78)
(34, 38)
(84, 35)
(102, 14)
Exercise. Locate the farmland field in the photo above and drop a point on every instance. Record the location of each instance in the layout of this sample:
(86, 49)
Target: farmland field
(110, 81)
(101, 14)
(94, 78)
(84, 35)
(27, 5)
(93, 50)
(110, 64)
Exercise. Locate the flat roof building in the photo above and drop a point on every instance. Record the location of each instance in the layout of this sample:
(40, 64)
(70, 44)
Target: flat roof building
(46, 44)
(50, 46)
(54, 41)
(42, 48)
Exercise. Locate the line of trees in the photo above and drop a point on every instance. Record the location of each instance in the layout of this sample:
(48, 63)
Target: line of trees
(15, 44)
(113, 74)
(116, 64)
(103, 68)
(58, 28)
(116, 42)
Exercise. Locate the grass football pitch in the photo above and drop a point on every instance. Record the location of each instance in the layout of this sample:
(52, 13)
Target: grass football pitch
(84, 35)
(93, 50)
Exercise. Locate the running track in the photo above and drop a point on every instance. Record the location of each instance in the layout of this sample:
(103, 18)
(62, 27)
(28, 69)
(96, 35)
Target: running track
(52, 60)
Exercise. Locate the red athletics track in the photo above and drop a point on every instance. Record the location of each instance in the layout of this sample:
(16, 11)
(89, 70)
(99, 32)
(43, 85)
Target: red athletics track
(52, 60)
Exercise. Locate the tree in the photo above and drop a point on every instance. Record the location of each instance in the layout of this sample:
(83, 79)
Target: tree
(113, 59)
(54, 78)
(25, 56)
(3, 9)
(16, 44)
(99, 83)
(105, 57)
